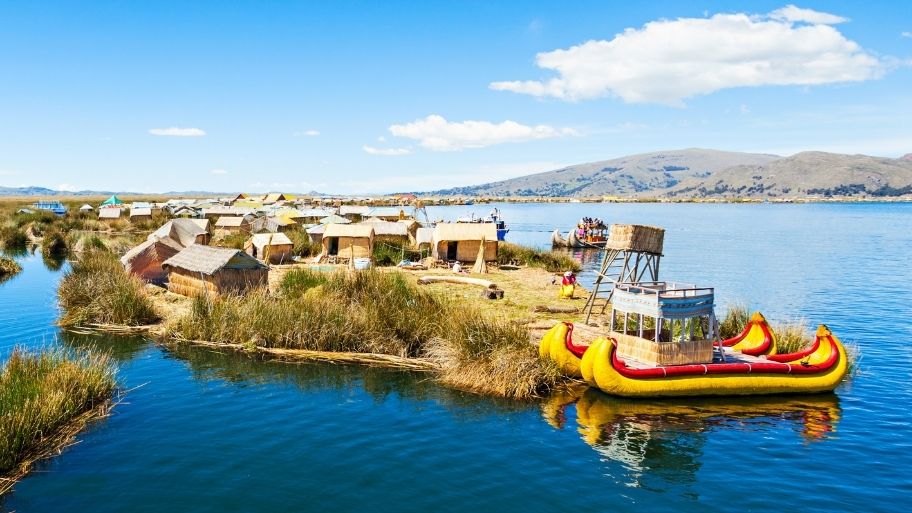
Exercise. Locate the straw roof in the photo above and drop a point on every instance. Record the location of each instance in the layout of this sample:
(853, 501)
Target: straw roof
(274, 197)
(315, 212)
(230, 222)
(389, 228)
(424, 236)
(334, 219)
(136, 212)
(227, 211)
(86, 208)
(465, 231)
(261, 240)
(320, 228)
(349, 230)
(156, 249)
(182, 231)
(108, 213)
(386, 212)
(208, 260)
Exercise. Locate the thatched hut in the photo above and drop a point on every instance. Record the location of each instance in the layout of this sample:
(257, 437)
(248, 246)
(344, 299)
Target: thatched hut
(200, 270)
(461, 241)
(353, 212)
(141, 214)
(109, 214)
(231, 224)
(349, 240)
(424, 238)
(270, 247)
(186, 232)
(145, 260)
(315, 233)
(390, 232)
(86, 208)
(387, 213)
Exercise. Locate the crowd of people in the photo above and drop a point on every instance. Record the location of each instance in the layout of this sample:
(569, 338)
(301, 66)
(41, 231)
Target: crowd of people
(588, 227)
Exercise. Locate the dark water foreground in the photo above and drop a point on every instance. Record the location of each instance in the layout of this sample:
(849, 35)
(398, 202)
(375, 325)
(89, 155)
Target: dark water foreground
(207, 431)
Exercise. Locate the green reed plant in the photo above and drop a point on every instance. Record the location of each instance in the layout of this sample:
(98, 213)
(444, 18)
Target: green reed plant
(97, 290)
(552, 261)
(45, 398)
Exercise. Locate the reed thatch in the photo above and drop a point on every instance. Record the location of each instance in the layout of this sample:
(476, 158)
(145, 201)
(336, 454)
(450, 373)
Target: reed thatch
(186, 232)
(200, 270)
(349, 240)
(145, 260)
(636, 237)
(663, 353)
(270, 247)
(467, 238)
(109, 213)
(140, 214)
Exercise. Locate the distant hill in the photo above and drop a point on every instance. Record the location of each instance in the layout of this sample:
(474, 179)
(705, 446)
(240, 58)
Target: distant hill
(702, 173)
(623, 176)
(811, 173)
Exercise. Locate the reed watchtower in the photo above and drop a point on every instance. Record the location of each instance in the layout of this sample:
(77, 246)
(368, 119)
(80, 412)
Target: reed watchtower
(631, 254)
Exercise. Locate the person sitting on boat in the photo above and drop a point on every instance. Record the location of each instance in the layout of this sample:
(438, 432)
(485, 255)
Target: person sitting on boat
(568, 285)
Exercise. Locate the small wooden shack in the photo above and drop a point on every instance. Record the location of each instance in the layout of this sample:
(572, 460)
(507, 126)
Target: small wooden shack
(348, 240)
(273, 248)
(145, 260)
(186, 232)
(109, 214)
(231, 224)
(461, 241)
(141, 214)
(201, 269)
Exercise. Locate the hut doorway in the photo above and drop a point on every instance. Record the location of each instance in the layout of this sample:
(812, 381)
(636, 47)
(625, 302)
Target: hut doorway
(334, 246)
(452, 250)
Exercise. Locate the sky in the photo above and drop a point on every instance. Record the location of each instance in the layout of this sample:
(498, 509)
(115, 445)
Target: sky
(376, 97)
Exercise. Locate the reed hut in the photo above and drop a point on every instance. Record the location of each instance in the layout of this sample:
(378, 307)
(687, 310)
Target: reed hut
(109, 214)
(461, 241)
(185, 232)
(145, 260)
(141, 214)
(86, 208)
(424, 239)
(316, 233)
(232, 224)
(273, 248)
(388, 213)
(390, 232)
(349, 240)
(198, 270)
(354, 213)
(274, 197)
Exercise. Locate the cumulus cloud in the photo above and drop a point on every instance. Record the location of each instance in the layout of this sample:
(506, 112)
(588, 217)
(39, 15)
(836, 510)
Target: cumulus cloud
(307, 133)
(436, 133)
(389, 152)
(906, 34)
(65, 187)
(219, 172)
(177, 132)
(667, 61)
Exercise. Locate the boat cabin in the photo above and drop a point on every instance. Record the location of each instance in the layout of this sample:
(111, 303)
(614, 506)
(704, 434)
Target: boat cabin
(663, 323)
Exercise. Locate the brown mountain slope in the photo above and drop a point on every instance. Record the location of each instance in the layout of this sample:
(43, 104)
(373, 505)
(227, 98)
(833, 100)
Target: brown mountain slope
(811, 173)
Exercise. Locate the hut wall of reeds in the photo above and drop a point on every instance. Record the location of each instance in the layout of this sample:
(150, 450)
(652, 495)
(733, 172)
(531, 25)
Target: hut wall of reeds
(462, 241)
(348, 240)
(203, 270)
(145, 260)
(270, 247)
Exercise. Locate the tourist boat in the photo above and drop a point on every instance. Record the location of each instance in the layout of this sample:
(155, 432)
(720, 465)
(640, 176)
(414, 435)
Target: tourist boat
(677, 359)
(493, 217)
(596, 237)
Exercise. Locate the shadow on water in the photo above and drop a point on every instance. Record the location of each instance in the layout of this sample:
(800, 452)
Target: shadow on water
(650, 443)
(240, 369)
(122, 349)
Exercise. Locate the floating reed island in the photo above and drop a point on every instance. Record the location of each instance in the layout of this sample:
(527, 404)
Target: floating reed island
(46, 398)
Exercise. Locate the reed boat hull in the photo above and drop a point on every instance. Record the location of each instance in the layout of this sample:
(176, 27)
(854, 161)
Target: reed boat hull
(557, 345)
(571, 241)
(819, 369)
(756, 339)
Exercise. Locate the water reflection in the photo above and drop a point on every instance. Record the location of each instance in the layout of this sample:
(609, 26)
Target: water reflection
(644, 441)
(122, 349)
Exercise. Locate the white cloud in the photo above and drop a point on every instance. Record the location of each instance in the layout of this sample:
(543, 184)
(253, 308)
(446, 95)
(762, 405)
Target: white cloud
(436, 133)
(906, 34)
(178, 132)
(381, 139)
(794, 14)
(389, 152)
(219, 172)
(667, 61)
(67, 187)
(307, 133)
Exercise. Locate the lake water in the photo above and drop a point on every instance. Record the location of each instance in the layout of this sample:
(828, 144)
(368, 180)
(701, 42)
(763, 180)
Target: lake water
(204, 431)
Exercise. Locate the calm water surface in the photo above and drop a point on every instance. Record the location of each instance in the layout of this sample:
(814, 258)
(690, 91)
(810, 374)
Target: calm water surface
(206, 431)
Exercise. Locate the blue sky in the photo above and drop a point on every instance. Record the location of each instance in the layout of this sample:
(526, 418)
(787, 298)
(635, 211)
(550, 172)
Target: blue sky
(387, 96)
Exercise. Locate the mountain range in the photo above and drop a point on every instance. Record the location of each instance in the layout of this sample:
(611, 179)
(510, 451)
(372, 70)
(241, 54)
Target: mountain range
(705, 173)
